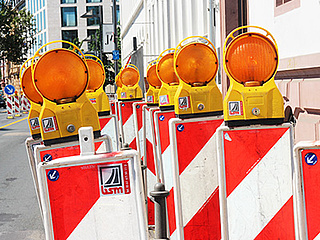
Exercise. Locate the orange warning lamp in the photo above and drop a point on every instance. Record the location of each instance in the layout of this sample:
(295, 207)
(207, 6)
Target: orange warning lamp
(196, 65)
(251, 61)
(152, 94)
(95, 92)
(34, 97)
(119, 86)
(129, 77)
(169, 79)
(61, 77)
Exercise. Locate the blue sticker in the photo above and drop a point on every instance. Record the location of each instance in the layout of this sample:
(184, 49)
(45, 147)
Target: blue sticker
(53, 175)
(47, 158)
(9, 89)
(122, 104)
(311, 158)
(112, 104)
(138, 106)
(161, 117)
(180, 127)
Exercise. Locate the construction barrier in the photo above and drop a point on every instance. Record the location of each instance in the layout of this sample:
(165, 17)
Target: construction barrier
(126, 123)
(191, 176)
(113, 107)
(256, 185)
(138, 126)
(37, 153)
(307, 180)
(150, 157)
(93, 196)
(17, 106)
(25, 104)
(109, 126)
(10, 107)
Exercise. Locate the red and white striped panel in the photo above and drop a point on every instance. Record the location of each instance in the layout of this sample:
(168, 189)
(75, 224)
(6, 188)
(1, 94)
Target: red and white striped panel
(16, 105)
(24, 104)
(109, 126)
(10, 105)
(150, 155)
(138, 126)
(256, 187)
(307, 155)
(127, 123)
(113, 107)
(93, 197)
(193, 203)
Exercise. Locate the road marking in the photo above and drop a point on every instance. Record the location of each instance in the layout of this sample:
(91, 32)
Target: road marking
(13, 123)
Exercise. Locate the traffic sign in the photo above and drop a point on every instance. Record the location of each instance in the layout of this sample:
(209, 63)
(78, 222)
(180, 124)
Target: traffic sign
(47, 157)
(53, 175)
(9, 89)
(311, 158)
(115, 55)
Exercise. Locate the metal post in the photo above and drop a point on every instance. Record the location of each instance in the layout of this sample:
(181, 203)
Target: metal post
(100, 30)
(159, 197)
(115, 34)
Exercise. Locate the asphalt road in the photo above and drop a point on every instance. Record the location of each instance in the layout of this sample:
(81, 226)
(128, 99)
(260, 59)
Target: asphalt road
(19, 210)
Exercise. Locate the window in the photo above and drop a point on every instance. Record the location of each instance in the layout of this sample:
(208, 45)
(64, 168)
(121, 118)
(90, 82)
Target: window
(284, 6)
(68, 1)
(93, 1)
(43, 3)
(69, 16)
(94, 33)
(70, 36)
(94, 20)
(44, 19)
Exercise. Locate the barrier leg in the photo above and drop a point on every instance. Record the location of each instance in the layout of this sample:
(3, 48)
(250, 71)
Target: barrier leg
(159, 194)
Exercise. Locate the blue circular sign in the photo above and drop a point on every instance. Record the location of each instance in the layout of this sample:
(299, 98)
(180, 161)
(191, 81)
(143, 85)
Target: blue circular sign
(311, 158)
(138, 106)
(161, 117)
(180, 127)
(122, 104)
(53, 175)
(9, 89)
(47, 158)
(112, 104)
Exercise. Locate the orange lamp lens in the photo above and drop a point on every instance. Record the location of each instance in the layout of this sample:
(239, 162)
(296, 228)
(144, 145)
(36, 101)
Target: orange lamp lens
(251, 57)
(28, 88)
(60, 74)
(118, 82)
(152, 77)
(166, 70)
(129, 76)
(96, 75)
(196, 63)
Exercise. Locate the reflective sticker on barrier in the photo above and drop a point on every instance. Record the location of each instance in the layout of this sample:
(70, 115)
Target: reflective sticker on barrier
(195, 176)
(163, 100)
(34, 123)
(256, 166)
(93, 100)
(184, 102)
(235, 108)
(150, 99)
(49, 124)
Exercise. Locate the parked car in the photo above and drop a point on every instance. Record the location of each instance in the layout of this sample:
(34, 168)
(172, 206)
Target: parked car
(2, 102)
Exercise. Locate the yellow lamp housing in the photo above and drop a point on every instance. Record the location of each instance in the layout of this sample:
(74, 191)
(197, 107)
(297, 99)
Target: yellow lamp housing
(251, 61)
(129, 77)
(95, 92)
(169, 79)
(34, 97)
(196, 65)
(152, 95)
(61, 77)
(119, 86)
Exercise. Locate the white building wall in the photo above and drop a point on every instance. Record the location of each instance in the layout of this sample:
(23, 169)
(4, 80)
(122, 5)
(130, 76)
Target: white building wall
(296, 32)
(166, 24)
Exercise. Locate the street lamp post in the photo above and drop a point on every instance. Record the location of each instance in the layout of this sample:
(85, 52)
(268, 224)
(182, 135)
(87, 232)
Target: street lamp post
(115, 34)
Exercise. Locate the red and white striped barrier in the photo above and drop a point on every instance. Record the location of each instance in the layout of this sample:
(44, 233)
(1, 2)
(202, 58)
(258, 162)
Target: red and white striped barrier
(113, 107)
(255, 180)
(138, 126)
(192, 179)
(109, 126)
(307, 156)
(150, 156)
(126, 122)
(93, 197)
(16, 106)
(10, 107)
(25, 104)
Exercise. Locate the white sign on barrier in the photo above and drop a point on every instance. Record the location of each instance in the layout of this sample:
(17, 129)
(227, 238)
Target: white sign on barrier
(256, 182)
(93, 197)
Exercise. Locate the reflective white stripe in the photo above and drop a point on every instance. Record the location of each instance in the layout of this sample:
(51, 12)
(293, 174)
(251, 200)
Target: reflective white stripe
(262, 193)
(128, 129)
(110, 129)
(317, 237)
(167, 168)
(202, 171)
